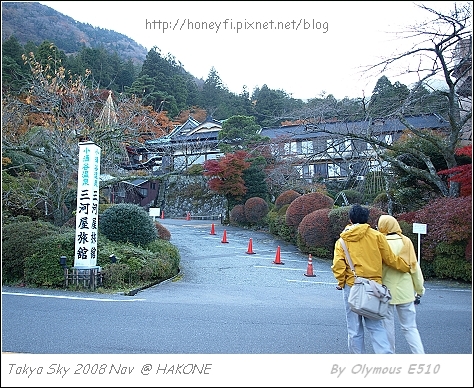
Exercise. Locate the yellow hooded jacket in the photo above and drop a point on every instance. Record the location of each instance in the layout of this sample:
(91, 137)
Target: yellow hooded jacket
(402, 286)
(368, 249)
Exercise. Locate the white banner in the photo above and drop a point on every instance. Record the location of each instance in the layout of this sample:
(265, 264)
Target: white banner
(87, 210)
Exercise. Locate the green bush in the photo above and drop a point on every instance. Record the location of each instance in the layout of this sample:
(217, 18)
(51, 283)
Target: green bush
(37, 260)
(338, 220)
(18, 241)
(165, 261)
(449, 262)
(127, 222)
(42, 267)
(137, 265)
(449, 268)
(381, 201)
(277, 225)
(195, 169)
(353, 196)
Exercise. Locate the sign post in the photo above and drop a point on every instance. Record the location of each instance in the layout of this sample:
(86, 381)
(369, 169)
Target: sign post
(87, 211)
(419, 229)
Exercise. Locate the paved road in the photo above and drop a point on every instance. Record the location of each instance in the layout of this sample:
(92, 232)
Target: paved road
(223, 301)
(238, 318)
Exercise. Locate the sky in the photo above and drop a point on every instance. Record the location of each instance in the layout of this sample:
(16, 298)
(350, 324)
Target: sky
(307, 49)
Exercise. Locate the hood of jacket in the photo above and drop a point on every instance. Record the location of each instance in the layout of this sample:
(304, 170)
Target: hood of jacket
(388, 224)
(354, 232)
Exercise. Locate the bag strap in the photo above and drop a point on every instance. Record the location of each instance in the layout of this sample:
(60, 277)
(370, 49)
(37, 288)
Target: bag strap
(371, 282)
(348, 256)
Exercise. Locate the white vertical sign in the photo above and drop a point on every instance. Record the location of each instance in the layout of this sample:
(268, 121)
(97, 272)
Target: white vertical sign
(420, 229)
(87, 210)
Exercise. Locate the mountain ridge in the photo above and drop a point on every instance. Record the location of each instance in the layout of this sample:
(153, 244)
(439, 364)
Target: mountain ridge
(35, 22)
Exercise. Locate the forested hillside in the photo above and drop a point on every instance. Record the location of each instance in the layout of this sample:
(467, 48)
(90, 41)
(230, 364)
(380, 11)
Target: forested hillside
(34, 22)
(116, 62)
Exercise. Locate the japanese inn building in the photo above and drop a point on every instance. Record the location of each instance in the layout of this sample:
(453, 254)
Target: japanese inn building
(323, 150)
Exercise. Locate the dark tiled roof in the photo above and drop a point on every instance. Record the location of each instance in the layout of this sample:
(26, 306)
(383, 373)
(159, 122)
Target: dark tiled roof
(377, 126)
(302, 131)
(136, 182)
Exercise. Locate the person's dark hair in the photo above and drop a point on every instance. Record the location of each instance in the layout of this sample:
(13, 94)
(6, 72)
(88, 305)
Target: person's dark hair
(358, 214)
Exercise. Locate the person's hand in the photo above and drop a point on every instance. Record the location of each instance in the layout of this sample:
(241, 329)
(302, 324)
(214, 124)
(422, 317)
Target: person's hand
(417, 299)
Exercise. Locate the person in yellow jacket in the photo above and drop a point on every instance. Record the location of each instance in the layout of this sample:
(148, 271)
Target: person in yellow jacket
(368, 249)
(402, 286)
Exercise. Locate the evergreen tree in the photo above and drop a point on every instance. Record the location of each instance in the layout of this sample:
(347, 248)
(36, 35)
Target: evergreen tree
(14, 72)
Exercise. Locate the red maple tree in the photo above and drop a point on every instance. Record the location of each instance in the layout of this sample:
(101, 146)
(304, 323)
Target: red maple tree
(461, 174)
(227, 176)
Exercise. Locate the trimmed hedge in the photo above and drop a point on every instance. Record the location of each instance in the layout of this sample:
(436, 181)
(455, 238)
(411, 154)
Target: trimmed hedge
(18, 242)
(286, 198)
(237, 215)
(255, 210)
(305, 204)
(314, 234)
(127, 222)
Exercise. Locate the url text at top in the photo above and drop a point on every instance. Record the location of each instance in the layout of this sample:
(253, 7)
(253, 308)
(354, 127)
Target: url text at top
(237, 26)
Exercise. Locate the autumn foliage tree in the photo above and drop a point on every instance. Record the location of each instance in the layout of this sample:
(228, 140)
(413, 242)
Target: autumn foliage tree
(461, 174)
(226, 177)
(44, 125)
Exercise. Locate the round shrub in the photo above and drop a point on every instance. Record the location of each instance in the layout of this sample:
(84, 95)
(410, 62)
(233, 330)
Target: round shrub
(255, 210)
(237, 215)
(314, 235)
(163, 233)
(286, 198)
(127, 222)
(305, 204)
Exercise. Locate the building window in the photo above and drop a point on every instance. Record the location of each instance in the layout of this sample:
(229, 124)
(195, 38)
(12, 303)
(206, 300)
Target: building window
(320, 170)
(153, 186)
(338, 146)
(308, 171)
(121, 192)
(290, 148)
(334, 171)
(299, 170)
(306, 147)
(143, 192)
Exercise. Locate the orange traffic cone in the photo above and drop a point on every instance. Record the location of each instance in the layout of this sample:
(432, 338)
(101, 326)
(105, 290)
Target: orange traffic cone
(249, 250)
(162, 214)
(277, 257)
(224, 238)
(309, 270)
(213, 231)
